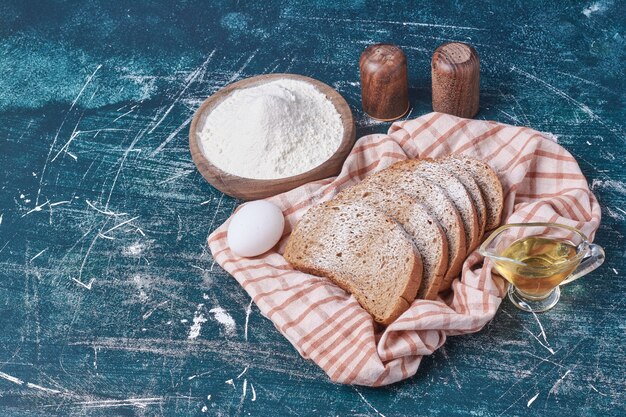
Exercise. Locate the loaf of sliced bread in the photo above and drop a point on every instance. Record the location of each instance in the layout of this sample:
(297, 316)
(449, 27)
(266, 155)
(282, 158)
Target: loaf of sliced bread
(434, 198)
(423, 228)
(489, 184)
(363, 251)
(455, 190)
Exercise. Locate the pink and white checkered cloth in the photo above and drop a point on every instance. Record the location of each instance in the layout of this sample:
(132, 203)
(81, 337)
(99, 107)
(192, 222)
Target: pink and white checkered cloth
(542, 182)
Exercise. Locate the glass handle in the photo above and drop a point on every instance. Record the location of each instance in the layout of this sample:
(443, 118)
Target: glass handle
(594, 259)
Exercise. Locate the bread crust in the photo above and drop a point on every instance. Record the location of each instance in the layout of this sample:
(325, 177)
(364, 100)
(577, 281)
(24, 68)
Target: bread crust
(408, 295)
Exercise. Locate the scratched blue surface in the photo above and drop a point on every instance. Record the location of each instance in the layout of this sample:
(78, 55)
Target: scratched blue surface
(103, 217)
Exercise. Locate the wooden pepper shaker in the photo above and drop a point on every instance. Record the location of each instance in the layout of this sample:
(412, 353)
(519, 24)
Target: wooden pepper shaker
(456, 80)
(384, 82)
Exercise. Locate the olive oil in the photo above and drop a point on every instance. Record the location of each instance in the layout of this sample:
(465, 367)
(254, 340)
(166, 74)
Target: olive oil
(545, 263)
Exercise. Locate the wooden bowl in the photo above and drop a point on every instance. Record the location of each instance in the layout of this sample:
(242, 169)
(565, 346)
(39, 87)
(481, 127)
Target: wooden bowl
(254, 189)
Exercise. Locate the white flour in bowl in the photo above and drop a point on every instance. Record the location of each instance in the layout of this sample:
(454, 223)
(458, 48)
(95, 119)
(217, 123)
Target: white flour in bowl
(273, 130)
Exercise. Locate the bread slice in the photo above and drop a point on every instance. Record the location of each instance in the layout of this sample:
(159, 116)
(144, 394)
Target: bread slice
(473, 190)
(454, 189)
(434, 198)
(363, 251)
(424, 229)
(489, 184)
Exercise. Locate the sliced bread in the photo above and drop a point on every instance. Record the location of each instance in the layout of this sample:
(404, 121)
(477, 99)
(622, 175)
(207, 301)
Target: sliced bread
(434, 198)
(363, 251)
(473, 190)
(489, 184)
(455, 190)
(423, 228)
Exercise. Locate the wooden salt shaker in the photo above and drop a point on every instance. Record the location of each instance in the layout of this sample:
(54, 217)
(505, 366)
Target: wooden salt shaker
(456, 80)
(384, 82)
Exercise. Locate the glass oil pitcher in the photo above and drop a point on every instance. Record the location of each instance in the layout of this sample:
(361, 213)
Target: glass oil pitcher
(536, 258)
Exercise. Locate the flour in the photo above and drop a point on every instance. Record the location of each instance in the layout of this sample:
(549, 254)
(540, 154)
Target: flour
(134, 250)
(273, 130)
(198, 320)
(225, 320)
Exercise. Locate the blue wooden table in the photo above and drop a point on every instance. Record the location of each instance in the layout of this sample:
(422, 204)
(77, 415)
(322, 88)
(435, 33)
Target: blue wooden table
(103, 216)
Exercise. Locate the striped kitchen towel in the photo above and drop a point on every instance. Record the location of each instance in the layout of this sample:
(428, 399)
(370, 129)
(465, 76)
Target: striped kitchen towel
(542, 182)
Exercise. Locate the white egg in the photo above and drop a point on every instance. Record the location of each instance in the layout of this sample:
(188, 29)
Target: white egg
(255, 228)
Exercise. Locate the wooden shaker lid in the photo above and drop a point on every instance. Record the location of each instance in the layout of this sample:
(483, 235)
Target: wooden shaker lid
(456, 80)
(384, 82)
